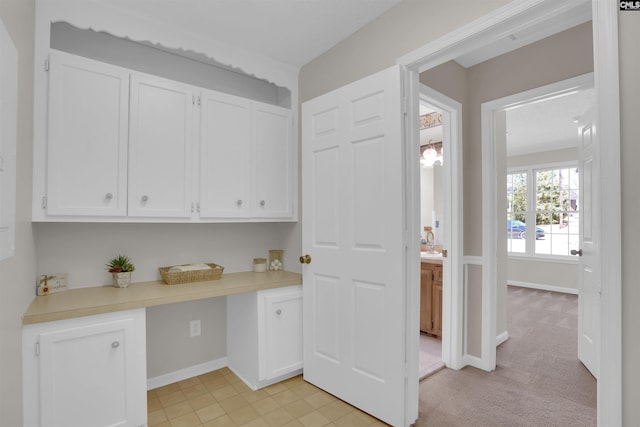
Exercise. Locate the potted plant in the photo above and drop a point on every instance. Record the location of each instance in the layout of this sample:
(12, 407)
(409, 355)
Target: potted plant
(120, 268)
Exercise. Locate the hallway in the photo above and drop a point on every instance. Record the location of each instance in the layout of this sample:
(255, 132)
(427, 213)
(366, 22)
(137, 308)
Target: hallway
(539, 380)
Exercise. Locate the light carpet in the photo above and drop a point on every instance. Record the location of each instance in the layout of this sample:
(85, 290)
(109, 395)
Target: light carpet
(539, 380)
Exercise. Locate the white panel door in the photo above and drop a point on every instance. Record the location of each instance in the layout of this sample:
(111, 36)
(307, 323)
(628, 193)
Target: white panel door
(354, 290)
(589, 306)
(160, 143)
(272, 162)
(225, 156)
(87, 141)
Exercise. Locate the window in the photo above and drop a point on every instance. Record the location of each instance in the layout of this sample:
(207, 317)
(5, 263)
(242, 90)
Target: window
(548, 197)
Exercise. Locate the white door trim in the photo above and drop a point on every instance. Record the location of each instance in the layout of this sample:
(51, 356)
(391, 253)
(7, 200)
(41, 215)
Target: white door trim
(453, 224)
(491, 228)
(489, 29)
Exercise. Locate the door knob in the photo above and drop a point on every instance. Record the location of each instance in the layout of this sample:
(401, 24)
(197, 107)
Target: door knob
(576, 252)
(305, 259)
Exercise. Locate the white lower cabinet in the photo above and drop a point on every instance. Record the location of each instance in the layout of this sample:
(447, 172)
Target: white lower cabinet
(264, 335)
(88, 371)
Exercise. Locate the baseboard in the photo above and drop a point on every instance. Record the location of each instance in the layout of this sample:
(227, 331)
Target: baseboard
(476, 362)
(543, 287)
(183, 374)
(502, 338)
(258, 384)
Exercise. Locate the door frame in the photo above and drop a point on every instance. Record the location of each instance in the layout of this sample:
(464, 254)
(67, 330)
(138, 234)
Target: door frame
(482, 32)
(453, 224)
(490, 177)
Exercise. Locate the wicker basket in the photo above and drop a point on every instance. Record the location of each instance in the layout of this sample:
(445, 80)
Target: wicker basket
(191, 276)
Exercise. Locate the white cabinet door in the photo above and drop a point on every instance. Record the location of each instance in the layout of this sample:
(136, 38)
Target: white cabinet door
(272, 162)
(281, 347)
(89, 372)
(225, 156)
(264, 335)
(160, 140)
(87, 141)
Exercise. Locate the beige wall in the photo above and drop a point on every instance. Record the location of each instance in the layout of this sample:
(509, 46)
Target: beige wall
(377, 46)
(17, 274)
(629, 33)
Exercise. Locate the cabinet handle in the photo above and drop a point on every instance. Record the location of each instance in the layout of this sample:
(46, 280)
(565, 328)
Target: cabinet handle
(239, 203)
(115, 344)
(108, 196)
(145, 198)
(278, 312)
(262, 203)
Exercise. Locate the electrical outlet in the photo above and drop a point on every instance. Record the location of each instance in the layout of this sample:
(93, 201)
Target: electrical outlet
(194, 328)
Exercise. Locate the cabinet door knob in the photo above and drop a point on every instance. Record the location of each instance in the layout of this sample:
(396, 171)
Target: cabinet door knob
(115, 344)
(239, 202)
(305, 259)
(278, 312)
(108, 196)
(262, 203)
(145, 198)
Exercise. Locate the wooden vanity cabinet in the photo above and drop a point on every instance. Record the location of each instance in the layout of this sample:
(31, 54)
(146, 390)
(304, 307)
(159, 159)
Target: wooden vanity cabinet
(431, 298)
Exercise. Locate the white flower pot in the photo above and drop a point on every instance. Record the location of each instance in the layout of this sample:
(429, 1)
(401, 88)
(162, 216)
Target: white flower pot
(121, 280)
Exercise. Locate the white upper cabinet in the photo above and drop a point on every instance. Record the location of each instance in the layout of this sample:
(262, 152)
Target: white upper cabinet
(126, 146)
(225, 156)
(160, 143)
(87, 141)
(272, 162)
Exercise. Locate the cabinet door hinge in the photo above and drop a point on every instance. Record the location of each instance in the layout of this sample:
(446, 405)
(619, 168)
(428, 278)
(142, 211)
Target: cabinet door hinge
(404, 106)
(199, 100)
(38, 349)
(198, 207)
(46, 65)
(44, 202)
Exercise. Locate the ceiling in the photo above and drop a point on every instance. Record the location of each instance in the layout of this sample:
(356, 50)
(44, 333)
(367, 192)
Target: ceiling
(290, 31)
(547, 125)
(295, 32)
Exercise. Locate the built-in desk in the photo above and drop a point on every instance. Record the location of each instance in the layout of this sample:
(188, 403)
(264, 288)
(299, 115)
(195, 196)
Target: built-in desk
(107, 299)
(84, 350)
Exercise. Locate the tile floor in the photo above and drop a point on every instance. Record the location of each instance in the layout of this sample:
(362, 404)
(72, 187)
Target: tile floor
(220, 398)
(430, 355)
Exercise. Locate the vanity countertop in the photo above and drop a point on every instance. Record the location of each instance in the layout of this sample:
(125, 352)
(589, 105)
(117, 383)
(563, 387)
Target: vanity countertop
(106, 299)
(427, 258)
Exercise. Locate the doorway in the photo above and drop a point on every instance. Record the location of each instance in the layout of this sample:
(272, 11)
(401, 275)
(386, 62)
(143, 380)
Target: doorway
(431, 238)
(477, 35)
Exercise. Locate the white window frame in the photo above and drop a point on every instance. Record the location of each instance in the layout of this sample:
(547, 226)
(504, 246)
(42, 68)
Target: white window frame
(531, 210)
